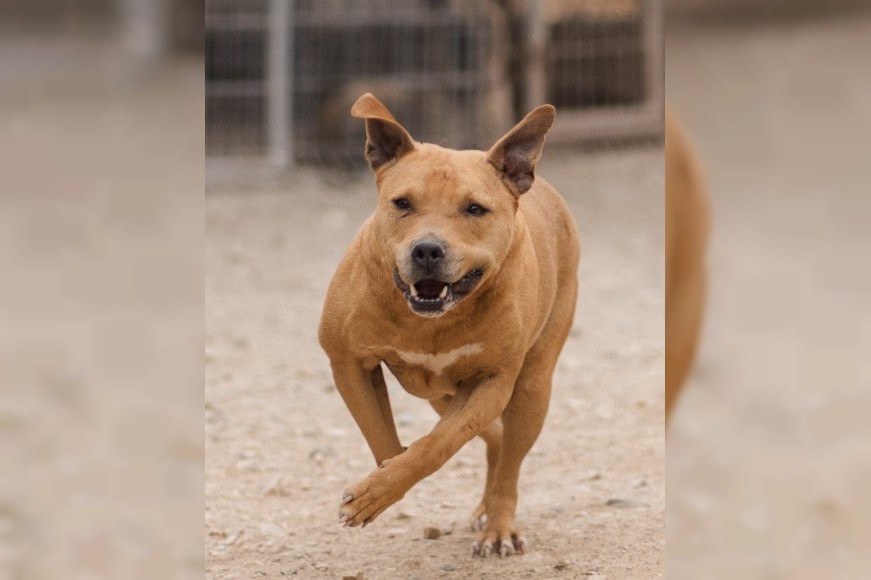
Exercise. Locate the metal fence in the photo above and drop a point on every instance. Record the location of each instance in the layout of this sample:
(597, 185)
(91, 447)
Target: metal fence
(281, 75)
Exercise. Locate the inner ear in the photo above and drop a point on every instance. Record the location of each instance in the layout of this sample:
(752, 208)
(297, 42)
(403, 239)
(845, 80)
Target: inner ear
(516, 154)
(518, 162)
(385, 142)
(386, 139)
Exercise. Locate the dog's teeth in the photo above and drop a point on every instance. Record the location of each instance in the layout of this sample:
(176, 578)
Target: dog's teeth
(444, 292)
(413, 291)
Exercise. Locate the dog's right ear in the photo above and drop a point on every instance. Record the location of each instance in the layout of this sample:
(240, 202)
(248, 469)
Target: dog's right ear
(386, 139)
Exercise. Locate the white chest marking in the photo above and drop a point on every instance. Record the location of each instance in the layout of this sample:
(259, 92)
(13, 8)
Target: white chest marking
(438, 362)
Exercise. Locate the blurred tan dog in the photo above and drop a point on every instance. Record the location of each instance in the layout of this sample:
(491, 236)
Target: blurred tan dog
(463, 283)
(686, 233)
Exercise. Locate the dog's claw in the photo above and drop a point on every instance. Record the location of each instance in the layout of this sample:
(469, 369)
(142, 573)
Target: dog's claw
(347, 497)
(482, 549)
(504, 547)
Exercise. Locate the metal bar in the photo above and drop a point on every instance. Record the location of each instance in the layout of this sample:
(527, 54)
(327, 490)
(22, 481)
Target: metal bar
(606, 123)
(145, 27)
(654, 49)
(279, 120)
(235, 89)
(536, 51)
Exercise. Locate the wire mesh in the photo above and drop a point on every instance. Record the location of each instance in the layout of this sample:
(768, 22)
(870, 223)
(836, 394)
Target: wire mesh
(595, 55)
(454, 73)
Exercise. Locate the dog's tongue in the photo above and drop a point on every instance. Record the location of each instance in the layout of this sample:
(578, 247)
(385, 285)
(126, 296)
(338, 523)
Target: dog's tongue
(429, 288)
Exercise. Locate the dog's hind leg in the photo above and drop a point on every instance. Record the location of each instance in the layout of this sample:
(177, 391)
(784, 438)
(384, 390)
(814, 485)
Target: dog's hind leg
(522, 420)
(492, 436)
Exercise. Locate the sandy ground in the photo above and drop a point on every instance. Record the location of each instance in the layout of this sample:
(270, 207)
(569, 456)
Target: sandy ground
(281, 447)
(769, 468)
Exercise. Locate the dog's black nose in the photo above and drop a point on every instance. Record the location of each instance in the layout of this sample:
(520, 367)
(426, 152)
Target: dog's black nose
(427, 254)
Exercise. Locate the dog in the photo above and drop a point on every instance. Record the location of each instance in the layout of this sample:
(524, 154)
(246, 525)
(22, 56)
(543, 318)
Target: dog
(687, 221)
(463, 283)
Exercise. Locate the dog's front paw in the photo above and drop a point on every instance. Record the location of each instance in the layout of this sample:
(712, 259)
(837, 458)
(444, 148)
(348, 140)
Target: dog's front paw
(365, 500)
(505, 542)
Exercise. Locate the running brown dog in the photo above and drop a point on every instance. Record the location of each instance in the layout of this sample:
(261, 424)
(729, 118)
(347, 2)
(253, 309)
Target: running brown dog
(463, 283)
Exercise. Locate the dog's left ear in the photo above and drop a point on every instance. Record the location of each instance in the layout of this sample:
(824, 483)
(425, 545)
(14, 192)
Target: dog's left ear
(386, 139)
(516, 154)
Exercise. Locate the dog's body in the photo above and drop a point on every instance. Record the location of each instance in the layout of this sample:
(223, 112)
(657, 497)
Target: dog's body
(463, 283)
(686, 232)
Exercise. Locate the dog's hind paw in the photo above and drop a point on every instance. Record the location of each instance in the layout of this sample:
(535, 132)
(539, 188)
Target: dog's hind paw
(504, 545)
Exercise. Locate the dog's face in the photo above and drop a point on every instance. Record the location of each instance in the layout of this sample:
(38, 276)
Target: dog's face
(446, 218)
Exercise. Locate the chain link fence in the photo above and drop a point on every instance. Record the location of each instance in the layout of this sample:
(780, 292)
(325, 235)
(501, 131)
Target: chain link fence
(281, 75)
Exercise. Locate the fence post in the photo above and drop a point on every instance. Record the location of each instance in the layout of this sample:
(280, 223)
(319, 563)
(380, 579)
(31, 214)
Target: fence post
(654, 48)
(279, 71)
(536, 41)
(145, 27)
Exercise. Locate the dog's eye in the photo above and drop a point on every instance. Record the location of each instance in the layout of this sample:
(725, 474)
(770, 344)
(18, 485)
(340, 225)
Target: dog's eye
(476, 210)
(402, 203)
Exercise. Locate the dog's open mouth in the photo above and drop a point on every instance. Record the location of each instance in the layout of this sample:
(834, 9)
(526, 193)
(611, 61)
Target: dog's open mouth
(433, 297)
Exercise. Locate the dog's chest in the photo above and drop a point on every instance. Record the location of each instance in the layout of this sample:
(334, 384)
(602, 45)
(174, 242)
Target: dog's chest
(431, 375)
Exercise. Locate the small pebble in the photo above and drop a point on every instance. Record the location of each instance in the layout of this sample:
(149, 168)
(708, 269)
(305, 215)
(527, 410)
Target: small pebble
(591, 476)
(393, 532)
(621, 503)
(431, 533)
(448, 567)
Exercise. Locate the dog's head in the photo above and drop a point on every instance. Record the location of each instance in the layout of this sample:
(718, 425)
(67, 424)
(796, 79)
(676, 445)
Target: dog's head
(446, 218)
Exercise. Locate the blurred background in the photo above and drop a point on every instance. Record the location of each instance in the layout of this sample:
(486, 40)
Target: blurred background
(281, 77)
(101, 307)
(287, 189)
(769, 468)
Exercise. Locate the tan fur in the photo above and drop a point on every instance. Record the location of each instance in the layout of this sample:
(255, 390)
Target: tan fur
(495, 350)
(686, 232)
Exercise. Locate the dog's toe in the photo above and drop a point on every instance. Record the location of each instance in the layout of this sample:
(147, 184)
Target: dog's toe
(504, 544)
(482, 548)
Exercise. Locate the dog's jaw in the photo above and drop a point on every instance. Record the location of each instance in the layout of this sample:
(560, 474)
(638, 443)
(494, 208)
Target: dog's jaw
(430, 298)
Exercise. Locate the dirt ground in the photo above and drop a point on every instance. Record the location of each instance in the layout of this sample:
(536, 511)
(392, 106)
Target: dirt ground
(281, 447)
(769, 468)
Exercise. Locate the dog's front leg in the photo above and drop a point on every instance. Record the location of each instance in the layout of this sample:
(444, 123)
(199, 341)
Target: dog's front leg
(365, 395)
(471, 410)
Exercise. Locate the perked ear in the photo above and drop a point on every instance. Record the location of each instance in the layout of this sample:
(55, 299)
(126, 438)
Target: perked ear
(386, 139)
(516, 154)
